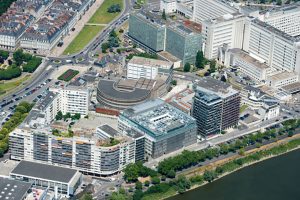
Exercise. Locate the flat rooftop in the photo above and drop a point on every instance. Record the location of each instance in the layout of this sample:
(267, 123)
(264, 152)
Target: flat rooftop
(246, 57)
(215, 87)
(44, 171)
(183, 100)
(12, 189)
(109, 130)
(46, 101)
(283, 76)
(150, 62)
(158, 117)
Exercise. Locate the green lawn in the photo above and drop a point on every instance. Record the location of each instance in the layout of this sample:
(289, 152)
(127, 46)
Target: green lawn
(141, 1)
(101, 16)
(243, 108)
(6, 86)
(82, 39)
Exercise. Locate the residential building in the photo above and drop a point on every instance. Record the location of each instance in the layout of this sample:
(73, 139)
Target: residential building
(168, 6)
(91, 154)
(139, 67)
(65, 180)
(216, 106)
(183, 100)
(72, 99)
(166, 128)
(226, 29)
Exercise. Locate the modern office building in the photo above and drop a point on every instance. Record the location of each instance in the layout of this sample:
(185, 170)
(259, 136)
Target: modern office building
(227, 29)
(148, 29)
(211, 9)
(156, 35)
(166, 128)
(183, 43)
(147, 68)
(216, 106)
(91, 154)
(48, 177)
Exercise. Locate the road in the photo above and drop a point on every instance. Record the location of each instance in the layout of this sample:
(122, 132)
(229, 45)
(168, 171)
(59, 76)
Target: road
(51, 63)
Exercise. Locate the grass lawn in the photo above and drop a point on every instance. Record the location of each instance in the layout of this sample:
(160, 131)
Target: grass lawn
(169, 193)
(6, 86)
(141, 1)
(101, 16)
(243, 108)
(82, 39)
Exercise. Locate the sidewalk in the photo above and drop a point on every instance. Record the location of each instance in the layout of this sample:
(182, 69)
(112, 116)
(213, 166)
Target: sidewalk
(57, 51)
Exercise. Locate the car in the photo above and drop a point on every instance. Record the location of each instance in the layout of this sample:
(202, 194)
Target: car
(26, 88)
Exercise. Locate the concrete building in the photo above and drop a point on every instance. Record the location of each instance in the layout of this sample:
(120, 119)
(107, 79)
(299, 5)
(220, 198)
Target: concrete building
(46, 176)
(169, 6)
(268, 44)
(166, 128)
(90, 153)
(216, 106)
(72, 99)
(248, 65)
(183, 100)
(226, 29)
(211, 9)
(282, 79)
(147, 68)
(13, 189)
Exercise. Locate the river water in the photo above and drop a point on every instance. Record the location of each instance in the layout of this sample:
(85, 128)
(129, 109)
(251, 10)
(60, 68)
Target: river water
(277, 178)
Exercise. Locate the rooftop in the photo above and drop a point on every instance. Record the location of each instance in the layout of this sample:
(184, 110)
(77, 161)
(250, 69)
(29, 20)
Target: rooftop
(44, 171)
(214, 88)
(109, 130)
(12, 189)
(282, 76)
(150, 62)
(182, 100)
(245, 56)
(158, 117)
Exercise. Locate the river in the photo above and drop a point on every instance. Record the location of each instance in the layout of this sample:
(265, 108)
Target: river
(277, 178)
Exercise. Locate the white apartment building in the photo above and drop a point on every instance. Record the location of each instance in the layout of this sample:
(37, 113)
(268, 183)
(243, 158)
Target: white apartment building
(216, 32)
(211, 9)
(73, 99)
(246, 64)
(87, 154)
(139, 67)
(169, 6)
(269, 110)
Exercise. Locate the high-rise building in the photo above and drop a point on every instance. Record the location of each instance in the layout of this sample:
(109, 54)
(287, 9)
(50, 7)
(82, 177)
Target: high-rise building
(227, 29)
(104, 153)
(183, 43)
(216, 106)
(166, 128)
(149, 30)
(156, 35)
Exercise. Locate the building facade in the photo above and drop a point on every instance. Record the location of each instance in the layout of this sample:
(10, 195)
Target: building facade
(166, 128)
(216, 106)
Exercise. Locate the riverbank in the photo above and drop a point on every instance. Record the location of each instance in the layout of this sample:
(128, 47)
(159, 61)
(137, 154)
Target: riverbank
(251, 157)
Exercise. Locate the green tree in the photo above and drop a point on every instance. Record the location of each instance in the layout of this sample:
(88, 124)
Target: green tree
(138, 185)
(200, 60)
(187, 67)
(21, 109)
(59, 116)
(209, 176)
(138, 195)
(155, 180)
(87, 196)
(171, 174)
(164, 16)
(212, 66)
(147, 183)
(131, 173)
